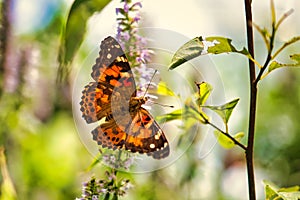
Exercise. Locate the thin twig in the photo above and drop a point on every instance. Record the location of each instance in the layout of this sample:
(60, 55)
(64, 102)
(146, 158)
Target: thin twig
(229, 136)
(269, 56)
(206, 121)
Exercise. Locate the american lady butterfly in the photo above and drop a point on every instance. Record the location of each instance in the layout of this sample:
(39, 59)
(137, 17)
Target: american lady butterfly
(112, 98)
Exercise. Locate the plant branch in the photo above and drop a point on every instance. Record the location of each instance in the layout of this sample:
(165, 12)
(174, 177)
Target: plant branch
(269, 56)
(272, 38)
(253, 96)
(229, 136)
(204, 120)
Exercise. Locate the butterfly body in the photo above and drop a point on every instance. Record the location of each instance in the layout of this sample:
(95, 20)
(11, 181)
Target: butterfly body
(112, 97)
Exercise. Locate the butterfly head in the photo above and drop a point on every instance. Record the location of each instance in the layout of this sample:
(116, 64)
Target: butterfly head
(137, 102)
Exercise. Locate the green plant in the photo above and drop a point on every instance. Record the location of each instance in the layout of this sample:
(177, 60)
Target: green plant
(217, 45)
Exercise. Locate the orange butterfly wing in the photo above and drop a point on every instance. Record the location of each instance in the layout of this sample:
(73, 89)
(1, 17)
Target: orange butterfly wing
(113, 97)
(142, 136)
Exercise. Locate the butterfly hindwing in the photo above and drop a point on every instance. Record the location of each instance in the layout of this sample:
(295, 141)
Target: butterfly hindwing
(95, 102)
(145, 136)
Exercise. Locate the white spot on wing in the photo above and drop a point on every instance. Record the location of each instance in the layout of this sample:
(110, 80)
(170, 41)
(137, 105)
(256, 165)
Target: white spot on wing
(157, 136)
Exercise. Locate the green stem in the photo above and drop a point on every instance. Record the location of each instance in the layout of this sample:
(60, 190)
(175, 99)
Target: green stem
(253, 96)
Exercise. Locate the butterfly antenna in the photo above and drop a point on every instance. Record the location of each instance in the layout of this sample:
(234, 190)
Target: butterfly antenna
(163, 105)
(149, 83)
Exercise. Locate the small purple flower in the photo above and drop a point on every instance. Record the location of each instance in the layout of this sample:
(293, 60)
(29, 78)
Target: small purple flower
(137, 4)
(126, 36)
(140, 59)
(126, 7)
(128, 162)
(118, 11)
(137, 17)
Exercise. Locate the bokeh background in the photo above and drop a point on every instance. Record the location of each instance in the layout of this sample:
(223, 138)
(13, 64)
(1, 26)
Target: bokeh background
(46, 158)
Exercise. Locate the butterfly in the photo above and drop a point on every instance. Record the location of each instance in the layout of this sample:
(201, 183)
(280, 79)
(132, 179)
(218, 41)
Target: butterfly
(112, 98)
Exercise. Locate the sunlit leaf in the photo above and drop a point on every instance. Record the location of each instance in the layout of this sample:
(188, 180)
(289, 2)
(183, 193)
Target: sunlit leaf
(188, 123)
(296, 57)
(204, 90)
(275, 65)
(190, 110)
(162, 89)
(264, 33)
(194, 111)
(286, 44)
(273, 192)
(202, 46)
(283, 17)
(217, 45)
(186, 52)
(289, 189)
(291, 41)
(225, 141)
(95, 162)
(74, 30)
(7, 188)
(273, 13)
(290, 195)
(224, 111)
(175, 115)
(270, 190)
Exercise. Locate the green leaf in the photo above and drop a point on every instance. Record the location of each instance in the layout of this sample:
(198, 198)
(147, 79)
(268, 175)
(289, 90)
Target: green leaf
(175, 115)
(275, 65)
(289, 189)
(199, 46)
(194, 111)
(95, 162)
(270, 190)
(162, 89)
(295, 57)
(264, 33)
(190, 110)
(186, 52)
(273, 13)
(8, 191)
(204, 92)
(225, 141)
(217, 45)
(286, 44)
(291, 41)
(273, 192)
(224, 111)
(74, 30)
